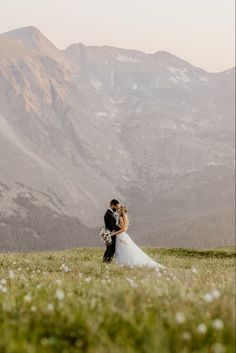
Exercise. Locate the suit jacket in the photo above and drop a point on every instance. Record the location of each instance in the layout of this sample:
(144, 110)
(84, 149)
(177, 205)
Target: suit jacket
(110, 221)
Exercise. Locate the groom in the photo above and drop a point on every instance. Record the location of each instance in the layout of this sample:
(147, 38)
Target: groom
(110, 224)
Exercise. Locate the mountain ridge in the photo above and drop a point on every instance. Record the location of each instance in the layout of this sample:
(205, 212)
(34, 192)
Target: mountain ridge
(32, 30)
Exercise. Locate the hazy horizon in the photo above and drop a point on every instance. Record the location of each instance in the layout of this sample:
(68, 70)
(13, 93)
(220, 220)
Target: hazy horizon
(201, 33)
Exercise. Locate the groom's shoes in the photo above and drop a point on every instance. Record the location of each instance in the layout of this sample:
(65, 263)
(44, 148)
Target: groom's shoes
(107, 260)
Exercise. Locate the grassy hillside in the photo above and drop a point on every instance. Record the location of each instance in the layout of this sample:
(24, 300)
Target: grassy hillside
(69, 301)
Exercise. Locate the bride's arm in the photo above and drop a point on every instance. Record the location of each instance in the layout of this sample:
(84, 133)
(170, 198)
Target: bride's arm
(122, 227)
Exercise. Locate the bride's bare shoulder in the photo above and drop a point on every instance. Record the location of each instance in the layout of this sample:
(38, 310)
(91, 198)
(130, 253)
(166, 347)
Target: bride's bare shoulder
(122, 223)
(121, 220)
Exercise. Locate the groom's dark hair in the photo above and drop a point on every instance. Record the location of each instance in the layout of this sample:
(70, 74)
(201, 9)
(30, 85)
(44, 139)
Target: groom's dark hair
(114, 202)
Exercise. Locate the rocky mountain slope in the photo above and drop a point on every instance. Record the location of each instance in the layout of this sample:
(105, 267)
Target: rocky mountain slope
(81, 126)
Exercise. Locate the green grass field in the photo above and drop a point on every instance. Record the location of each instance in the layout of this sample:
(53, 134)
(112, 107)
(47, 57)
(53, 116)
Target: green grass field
(71, 302)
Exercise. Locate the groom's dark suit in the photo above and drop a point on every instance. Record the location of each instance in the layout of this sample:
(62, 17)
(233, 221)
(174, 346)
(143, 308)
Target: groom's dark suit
(110, 224)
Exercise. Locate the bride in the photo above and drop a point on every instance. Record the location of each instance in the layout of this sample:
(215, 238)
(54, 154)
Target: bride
(127, 252)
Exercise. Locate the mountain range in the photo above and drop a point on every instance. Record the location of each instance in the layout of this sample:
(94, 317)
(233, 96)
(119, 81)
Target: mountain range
(83, 125)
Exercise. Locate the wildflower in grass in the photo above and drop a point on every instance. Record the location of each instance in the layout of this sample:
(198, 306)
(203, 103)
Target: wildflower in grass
(186, 336)
(202, 329)
(58, 282)
(33, 308)
(87, 279)
(218, 324)
(180, 317)
(194, 270)
(218, 348)
(39, 286)
(216, 293)
(50, 307)
(59, 294)
(11, 274)
(44, 341)
(3, 289)
(28, 298)
(208, 297)
(65, 268)
(3, 281)
(132, 283)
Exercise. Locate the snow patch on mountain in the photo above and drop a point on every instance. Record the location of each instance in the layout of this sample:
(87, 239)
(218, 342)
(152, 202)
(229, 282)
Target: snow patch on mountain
(204, 79)
(96, 84)
(100, 114)
(127, 59)
(179, 74)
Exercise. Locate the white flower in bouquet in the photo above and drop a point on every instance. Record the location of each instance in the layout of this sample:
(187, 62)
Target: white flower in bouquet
(105, 236)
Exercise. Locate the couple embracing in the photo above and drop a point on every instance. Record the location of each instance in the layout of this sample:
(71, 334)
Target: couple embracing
(122, 246)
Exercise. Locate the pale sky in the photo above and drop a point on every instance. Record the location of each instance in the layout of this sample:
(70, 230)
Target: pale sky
(198, 31)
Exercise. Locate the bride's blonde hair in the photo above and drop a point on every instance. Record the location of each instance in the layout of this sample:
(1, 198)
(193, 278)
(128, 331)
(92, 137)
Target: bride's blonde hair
(123, 213)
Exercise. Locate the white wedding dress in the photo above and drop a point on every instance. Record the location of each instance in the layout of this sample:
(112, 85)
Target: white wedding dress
(129, 254)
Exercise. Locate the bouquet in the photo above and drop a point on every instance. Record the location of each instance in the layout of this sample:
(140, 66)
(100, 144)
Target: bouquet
(105, 236)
